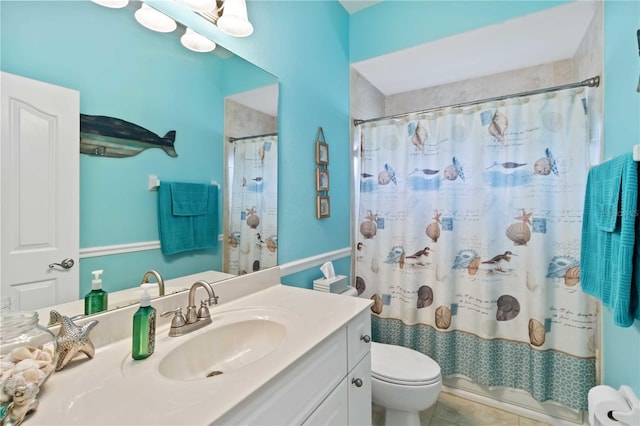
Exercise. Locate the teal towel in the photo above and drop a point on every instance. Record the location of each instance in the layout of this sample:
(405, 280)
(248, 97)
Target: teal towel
(610, 258)
(187, 216)
(188, 199)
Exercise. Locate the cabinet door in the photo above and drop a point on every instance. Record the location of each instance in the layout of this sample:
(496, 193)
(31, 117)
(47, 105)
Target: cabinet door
(295, 393)
(334, 410)
(358, 338)
(359, 394)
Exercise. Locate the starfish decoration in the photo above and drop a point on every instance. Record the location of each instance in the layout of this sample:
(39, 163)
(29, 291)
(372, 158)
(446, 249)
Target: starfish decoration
(372, 217)
(251, 211)
(71, 338)
(524, 217)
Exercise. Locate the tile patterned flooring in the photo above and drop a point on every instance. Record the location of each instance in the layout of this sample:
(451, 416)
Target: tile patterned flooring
(453, 410)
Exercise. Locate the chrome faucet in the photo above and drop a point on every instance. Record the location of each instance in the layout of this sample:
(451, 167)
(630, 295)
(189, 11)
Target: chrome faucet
(159, 280)
(195, 318)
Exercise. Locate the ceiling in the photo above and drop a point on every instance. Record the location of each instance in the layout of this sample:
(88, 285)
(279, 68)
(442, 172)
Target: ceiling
(538, 38)
(263, 99)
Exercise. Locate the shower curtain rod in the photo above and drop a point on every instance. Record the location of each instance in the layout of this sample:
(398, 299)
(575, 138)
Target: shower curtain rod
(232, 139)
(590, 82)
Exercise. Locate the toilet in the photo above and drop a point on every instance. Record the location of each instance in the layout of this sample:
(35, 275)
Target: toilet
(404, 382)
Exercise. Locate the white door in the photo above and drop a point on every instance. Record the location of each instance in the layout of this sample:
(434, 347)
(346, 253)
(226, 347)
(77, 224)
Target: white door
(39, 186)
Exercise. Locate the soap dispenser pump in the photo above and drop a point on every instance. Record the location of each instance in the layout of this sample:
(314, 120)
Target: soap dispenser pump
(97, 300)
(144, 326)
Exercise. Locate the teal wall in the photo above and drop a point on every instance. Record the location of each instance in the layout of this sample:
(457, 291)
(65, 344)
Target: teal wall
(395, 25)
(621, 346)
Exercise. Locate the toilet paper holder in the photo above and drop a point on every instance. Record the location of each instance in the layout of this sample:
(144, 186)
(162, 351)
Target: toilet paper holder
(631, 417)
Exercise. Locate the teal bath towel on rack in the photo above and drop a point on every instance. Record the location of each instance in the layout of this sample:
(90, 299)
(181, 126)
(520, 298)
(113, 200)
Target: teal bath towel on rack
(187, 216)
(610, 258)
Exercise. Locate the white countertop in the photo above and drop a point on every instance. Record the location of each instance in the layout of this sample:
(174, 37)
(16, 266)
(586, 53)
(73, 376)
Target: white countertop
(112, 389)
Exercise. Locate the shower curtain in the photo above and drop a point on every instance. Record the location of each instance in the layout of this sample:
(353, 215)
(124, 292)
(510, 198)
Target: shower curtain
(253, 215)
(468, 241)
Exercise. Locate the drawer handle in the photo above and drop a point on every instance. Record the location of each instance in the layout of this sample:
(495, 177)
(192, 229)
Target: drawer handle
(365, 338)
(357, 382)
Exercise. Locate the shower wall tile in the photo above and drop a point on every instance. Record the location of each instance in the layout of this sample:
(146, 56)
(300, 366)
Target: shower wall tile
(240, 121)
(588, 60)
(525, 79)
(366, 100)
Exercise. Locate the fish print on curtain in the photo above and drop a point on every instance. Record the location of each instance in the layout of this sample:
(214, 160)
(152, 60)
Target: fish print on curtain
(469, 229)
(253, 230)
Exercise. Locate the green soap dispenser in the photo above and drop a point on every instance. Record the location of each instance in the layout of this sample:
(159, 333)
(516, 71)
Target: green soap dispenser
(97, 300)
(144, 326)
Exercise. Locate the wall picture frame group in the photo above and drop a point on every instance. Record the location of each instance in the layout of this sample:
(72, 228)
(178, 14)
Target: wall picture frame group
(323, 206)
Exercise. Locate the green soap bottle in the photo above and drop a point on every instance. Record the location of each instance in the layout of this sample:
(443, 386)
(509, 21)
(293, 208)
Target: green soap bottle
(97, 300)
(144, 326)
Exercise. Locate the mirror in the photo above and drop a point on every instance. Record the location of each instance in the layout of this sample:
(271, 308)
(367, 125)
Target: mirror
(125, 71)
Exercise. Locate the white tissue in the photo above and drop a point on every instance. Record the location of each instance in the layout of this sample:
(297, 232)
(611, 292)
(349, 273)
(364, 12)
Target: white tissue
(327, 270)
(602, 401)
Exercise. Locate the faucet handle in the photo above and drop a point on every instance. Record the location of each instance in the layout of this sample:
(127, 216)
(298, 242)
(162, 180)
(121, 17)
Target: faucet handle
(203, 312)
(178, 319)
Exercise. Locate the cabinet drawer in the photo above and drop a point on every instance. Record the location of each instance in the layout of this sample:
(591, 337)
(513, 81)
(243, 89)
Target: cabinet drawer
(358, 337)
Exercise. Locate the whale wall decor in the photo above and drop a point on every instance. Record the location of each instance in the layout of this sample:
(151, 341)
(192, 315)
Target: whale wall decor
(113, 137)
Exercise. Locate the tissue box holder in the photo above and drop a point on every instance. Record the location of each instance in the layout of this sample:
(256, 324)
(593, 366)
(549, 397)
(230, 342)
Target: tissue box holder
(337, 284)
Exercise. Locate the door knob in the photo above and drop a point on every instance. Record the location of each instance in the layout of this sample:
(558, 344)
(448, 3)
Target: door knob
(65, 264)
(365, 338)
(357, 382)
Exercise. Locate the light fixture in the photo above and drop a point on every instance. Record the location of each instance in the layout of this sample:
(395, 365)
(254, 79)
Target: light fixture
(196, 42)
(234, 19)
(210, 6)
(114, 4)
(154, 19)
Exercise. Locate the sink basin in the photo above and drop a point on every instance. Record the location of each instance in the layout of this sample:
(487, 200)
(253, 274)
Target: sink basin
(231, 344)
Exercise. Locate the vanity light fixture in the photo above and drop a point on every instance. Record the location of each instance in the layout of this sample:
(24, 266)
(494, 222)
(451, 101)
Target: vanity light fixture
(234, 20)
(196, 42)
(114, 4)
(154, 19)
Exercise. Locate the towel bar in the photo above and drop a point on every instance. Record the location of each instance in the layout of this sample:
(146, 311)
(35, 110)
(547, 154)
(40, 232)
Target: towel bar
(154, 183)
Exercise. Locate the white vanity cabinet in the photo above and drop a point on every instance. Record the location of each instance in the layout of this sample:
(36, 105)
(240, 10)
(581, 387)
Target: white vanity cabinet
(330, 385)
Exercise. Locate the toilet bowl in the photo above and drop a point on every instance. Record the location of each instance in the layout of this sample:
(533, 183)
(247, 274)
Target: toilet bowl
(404, 382)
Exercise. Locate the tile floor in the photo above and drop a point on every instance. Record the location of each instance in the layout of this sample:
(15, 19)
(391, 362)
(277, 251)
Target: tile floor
(452, 410)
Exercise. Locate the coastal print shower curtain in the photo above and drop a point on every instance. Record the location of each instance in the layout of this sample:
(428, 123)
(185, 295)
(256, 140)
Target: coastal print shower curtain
(253, 216)
(469, 223)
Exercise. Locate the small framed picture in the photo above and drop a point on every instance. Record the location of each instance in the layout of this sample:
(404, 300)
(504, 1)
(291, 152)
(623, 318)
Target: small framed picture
(322, 179)
(323, 208)
(322, 153)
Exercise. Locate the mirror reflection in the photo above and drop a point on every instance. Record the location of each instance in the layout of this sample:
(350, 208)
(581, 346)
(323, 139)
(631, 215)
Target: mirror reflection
(123, 70)
(251, 196)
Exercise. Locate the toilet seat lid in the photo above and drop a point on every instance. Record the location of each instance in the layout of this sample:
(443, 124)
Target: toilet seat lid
(397, 364)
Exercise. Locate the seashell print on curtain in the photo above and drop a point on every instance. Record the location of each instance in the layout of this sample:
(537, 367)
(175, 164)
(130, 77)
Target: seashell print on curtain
(469, 227)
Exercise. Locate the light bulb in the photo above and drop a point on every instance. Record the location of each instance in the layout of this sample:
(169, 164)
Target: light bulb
(154, 20)
(196, 42)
